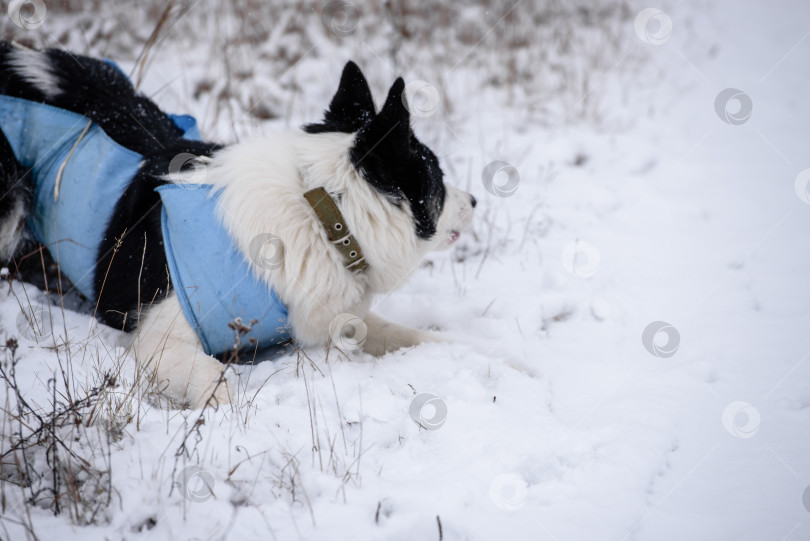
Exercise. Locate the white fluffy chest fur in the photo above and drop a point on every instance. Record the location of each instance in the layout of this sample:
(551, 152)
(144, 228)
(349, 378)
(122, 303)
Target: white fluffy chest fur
(262, 183)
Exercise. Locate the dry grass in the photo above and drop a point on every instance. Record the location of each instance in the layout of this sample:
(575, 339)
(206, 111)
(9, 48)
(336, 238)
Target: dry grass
(549, 58)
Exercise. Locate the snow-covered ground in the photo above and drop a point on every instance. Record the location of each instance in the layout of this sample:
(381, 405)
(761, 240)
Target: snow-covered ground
(551, 414)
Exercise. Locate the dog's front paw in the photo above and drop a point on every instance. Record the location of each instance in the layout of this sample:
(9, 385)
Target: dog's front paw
(383, 336)
(204, 385)
(218, 394)
(388, 343)
(196, 392)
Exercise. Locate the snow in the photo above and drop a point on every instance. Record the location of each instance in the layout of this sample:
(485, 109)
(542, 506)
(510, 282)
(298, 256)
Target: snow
(560, 422)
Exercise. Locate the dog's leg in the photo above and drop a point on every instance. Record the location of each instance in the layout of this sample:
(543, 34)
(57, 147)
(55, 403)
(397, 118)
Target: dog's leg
(167, 348)
(384, 336)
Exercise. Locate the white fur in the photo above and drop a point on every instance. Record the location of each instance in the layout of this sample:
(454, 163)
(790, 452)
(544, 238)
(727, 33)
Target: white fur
(35, 67)
(172, 358)
(262, 183)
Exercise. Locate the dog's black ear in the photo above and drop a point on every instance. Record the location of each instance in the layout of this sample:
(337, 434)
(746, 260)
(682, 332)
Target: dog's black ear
(391, 128)
(394, 162)
(351, 108)
(382, 149)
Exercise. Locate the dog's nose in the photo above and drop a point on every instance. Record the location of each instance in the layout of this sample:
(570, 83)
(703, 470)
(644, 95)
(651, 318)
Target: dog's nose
(473, 202)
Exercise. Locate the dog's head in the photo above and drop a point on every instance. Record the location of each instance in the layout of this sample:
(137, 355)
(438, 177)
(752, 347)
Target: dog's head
(402, 171)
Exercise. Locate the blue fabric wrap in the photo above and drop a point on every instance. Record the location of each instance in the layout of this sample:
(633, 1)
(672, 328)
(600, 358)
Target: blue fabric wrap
(41, 137)
(213, 280)
(188, 124)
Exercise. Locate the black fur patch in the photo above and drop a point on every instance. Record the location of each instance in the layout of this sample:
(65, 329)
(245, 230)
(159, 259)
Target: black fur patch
(386, 150)
(351, 108)
(99, 91)
(134, 235)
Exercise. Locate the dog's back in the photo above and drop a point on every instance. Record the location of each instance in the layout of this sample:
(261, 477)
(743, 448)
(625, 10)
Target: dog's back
(51, 101)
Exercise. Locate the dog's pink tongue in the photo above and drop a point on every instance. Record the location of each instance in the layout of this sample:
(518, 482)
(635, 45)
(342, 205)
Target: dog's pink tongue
(454, 236)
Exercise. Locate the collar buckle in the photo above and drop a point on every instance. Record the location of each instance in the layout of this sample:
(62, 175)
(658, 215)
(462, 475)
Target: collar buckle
(331, 218)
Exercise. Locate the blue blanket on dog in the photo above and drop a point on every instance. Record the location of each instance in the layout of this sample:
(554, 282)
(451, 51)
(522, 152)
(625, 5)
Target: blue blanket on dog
(212, 279)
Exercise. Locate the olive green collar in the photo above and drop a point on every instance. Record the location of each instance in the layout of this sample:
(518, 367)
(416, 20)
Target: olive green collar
(336, 229)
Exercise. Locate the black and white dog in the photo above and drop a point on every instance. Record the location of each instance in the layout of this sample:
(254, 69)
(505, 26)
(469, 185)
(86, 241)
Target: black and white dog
(200, 248)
